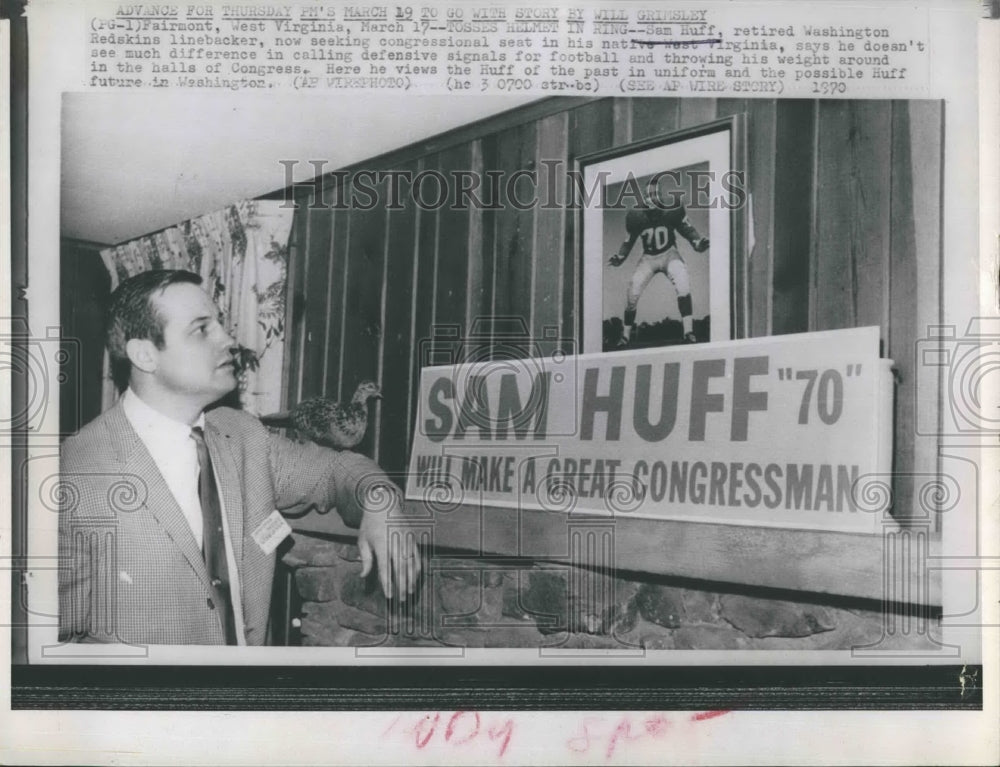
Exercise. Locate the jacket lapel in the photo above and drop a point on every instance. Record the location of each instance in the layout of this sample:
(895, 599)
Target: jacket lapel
(161, 504)
(224, 446)
(227, 478)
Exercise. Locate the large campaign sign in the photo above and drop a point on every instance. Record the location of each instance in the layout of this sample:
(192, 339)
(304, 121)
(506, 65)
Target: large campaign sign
(790, 431)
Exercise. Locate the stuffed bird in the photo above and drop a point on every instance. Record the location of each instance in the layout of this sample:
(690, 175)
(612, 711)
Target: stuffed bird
(330, 423)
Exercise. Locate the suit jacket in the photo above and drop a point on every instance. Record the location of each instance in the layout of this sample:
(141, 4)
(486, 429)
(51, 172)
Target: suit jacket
(130, 568)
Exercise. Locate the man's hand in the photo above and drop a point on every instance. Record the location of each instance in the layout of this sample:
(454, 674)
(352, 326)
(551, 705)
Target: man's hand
(398, 560)
(701, 246)
(616, 259)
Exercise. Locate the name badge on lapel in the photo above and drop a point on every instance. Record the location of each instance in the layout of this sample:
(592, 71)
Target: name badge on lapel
(271, 532)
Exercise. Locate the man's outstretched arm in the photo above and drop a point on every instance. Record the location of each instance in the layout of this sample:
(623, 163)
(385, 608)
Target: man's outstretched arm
(364, 497)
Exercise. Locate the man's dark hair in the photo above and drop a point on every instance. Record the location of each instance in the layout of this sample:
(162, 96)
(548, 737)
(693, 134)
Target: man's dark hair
(132, 314)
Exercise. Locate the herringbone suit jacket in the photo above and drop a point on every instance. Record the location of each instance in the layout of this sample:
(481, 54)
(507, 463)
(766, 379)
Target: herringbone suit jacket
(130, 568)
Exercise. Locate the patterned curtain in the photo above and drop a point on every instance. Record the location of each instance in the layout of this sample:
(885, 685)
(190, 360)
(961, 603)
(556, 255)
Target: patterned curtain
(241, 253)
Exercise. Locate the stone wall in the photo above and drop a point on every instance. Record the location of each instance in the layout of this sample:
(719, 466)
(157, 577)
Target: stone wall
(507, 603)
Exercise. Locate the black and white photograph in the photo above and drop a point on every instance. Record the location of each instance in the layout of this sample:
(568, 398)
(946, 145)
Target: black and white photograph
(451, 404)
(661, 200)
(318, 312)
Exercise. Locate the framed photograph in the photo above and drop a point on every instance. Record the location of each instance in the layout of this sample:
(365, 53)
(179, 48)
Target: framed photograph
(663, 235)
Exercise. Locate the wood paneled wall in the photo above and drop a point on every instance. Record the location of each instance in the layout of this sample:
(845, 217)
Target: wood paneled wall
(846, 221)
(83, 300)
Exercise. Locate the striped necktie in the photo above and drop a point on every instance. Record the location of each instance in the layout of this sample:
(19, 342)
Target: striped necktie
(213, 544)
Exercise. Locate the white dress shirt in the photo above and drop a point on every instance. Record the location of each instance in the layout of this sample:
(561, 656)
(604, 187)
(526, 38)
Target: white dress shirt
(175, 454)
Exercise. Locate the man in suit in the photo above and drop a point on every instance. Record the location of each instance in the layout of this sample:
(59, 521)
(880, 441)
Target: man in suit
(169, 518)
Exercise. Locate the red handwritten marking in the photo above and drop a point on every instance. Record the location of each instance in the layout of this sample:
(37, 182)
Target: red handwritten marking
(505, 731)
(457, 732)
(657, 724)
(701, 716)
(623, 730)
(420, 739)
(594, 731)
(581, 743)
(394, 722)
(449, 732)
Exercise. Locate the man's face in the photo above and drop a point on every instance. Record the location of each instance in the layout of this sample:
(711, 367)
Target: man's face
(195, 360)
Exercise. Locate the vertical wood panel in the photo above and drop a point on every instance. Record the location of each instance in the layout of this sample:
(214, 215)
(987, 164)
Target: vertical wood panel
(424, 280)
(289, 359)
(453, 244)
(926, 142)
(398, 348)
(727, 107)
(516, 151)
(762, 151)
(915, 288)
(903, 292)
(365, 281)
(832, 297)
(316, 331)
(92, 292)
(622, 121)
(742, 242)
(336, 291)
(69, 274)
(760, 169)
(490, 217)
(695, 112)
(294, 335)
(591, 129)
(873, 223)
(479, 244)
(550, 226)
(82, 307)
(375, 408)
(792, 227)
(653, 117)
(853, 221)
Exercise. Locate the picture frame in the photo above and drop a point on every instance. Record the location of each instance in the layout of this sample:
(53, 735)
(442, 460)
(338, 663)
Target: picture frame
(701, 170)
